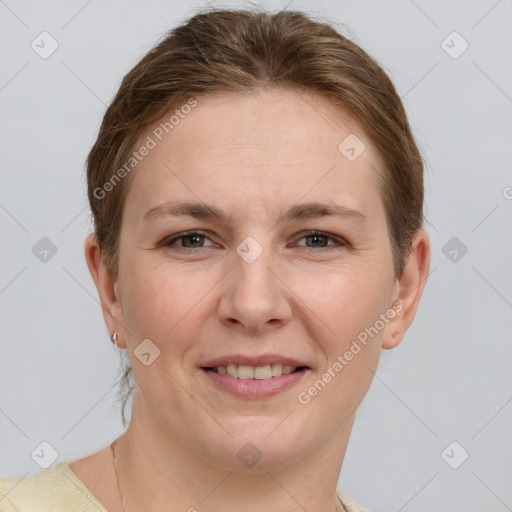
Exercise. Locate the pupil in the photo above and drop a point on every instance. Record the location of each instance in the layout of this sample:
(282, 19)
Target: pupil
(317, 238)
(195, 240)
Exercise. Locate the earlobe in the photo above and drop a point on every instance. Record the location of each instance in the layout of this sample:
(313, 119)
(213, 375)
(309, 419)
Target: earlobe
(106, 284)
(410, 288)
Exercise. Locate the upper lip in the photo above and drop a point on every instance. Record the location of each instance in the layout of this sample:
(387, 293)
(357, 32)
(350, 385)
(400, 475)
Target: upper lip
(261, 360)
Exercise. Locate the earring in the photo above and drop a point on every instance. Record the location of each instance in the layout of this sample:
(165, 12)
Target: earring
(114, 339)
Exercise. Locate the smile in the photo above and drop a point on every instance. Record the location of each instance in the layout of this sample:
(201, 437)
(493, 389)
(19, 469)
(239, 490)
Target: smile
(246, 372)
(254, 382)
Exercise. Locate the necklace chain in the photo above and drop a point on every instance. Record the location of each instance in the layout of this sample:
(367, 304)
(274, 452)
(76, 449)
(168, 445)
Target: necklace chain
(112, 446)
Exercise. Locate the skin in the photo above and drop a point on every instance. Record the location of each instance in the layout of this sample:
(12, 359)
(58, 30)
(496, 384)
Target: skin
(253, 157)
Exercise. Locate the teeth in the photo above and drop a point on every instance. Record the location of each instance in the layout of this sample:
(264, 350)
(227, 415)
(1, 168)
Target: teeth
(263, 372)
(232, 370)
(246, 372)
(277, 370)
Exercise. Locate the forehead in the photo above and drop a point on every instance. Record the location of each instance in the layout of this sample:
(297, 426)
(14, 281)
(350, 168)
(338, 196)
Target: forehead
(275, 144)
(272, 120)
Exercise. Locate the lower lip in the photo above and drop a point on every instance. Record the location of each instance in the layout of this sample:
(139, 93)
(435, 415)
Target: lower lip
(254, 388)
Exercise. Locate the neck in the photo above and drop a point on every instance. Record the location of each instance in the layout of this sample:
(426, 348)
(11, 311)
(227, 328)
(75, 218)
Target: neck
(154, 471)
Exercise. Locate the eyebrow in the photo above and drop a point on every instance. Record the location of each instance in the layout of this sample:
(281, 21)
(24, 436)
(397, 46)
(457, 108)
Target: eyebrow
(296, 212)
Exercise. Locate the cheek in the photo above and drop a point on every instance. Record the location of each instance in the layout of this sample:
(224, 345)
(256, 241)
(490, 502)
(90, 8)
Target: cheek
(345, 300)
(163, 303)
(349, 304)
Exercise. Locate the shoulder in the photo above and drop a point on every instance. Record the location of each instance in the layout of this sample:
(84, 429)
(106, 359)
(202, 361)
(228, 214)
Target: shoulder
(349, 504)
(55, 489)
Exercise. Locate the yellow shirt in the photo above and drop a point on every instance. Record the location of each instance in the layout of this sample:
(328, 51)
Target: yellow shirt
(58, 489)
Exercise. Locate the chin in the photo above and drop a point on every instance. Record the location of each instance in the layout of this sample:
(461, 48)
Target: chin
(258, 443)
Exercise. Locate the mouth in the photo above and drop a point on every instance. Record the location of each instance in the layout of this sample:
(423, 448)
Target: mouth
(248, 372)
(256, 378)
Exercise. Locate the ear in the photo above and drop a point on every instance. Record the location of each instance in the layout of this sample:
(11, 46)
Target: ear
(106, 284)
(408, 290)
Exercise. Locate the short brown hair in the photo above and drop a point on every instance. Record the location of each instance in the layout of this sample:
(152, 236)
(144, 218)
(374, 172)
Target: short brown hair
(244, 51)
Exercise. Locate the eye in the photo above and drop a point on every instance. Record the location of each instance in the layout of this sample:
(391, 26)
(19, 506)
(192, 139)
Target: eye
(196, 239)
(319, 239)
(188, 240)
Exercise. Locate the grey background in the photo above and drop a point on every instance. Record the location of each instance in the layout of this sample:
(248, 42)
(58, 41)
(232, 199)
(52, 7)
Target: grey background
(450, 380)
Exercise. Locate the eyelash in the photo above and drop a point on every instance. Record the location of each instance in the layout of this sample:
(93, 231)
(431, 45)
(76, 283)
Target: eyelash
(338, 242)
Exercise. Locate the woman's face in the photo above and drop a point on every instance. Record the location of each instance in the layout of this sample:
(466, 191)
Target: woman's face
(290, 264)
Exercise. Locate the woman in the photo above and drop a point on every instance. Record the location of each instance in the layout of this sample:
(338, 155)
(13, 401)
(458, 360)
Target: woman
(257, 198)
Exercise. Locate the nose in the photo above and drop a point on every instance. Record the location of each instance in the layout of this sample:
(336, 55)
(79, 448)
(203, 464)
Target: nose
(255, 298)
